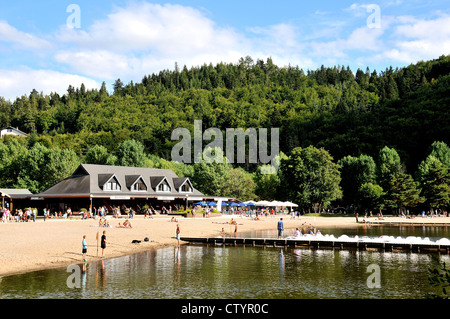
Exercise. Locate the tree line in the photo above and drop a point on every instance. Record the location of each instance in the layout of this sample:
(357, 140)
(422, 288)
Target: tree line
(344, 115)
(309, 176)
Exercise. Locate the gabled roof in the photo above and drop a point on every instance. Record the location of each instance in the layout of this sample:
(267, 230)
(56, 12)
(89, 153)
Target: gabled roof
(103, 179)
(180, 181)
(156, 180)
(133, 179)
(88, 180)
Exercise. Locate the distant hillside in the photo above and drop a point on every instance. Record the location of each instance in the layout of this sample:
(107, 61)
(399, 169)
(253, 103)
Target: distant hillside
(331, 107)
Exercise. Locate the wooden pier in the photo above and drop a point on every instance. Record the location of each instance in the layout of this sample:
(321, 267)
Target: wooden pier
(319, 243)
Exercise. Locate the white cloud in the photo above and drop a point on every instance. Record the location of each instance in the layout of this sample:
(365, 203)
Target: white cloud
(413, 28)
(413, 39)
(133, 38)
(143, 38)
(362, 39)
(23, 80)
(21, 39)
(100, 64)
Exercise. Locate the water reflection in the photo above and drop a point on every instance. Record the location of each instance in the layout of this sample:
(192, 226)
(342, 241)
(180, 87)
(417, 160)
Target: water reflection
(235, 272)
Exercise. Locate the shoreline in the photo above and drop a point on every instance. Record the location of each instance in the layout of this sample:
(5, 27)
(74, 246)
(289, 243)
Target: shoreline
(33, 246)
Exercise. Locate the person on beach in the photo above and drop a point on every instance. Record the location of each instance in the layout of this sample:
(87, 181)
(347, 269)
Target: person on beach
(178, 234)
(127, 224)
(84, 247)
(280, 228)
(103, 242)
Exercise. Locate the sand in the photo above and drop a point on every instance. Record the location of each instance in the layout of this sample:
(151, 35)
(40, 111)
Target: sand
(57, 242)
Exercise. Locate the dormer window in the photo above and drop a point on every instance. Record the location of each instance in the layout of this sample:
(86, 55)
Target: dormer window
(186, 188)
(112, 185)
(163, 187)
(183, 185)
(139, 186)
(135, 183)
(160, 184)
(109, 182)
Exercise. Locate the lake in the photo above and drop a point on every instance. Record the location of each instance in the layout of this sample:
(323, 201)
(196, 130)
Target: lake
(223, 272)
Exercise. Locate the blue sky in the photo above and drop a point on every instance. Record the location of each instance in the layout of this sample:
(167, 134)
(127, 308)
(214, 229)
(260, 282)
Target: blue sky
(45, 46)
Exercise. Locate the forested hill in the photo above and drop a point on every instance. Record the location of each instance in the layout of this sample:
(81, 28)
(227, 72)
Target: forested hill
(331, 107)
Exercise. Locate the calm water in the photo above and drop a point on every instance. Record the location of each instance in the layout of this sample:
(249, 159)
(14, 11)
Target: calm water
(241, 272)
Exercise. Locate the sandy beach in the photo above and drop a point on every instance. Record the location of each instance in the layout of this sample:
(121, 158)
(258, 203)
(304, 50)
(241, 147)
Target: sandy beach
(57, 242)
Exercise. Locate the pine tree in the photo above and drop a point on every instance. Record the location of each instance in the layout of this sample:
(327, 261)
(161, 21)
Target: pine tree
(403, 192)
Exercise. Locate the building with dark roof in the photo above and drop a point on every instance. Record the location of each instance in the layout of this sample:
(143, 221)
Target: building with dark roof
(113, 186)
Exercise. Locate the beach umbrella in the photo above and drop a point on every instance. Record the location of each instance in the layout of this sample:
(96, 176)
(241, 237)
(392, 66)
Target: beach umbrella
(233, 204)
(291, 204)
(211, 204)
(225, 204)
(275, 203)
(262, 203)
(250, 203)
(199, 203)
(241, 204)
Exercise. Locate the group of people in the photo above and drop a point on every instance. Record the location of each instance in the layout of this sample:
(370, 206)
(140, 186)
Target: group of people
(19, 216)
(103, 222)
(103, 242)
(308, 229)
(433, 213)
(84, 245)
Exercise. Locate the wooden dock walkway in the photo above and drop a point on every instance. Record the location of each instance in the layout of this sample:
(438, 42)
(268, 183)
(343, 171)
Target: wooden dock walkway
(408, 223)
(320, 243)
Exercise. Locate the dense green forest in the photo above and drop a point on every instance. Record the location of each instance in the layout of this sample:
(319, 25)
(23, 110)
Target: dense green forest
(330, 114)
